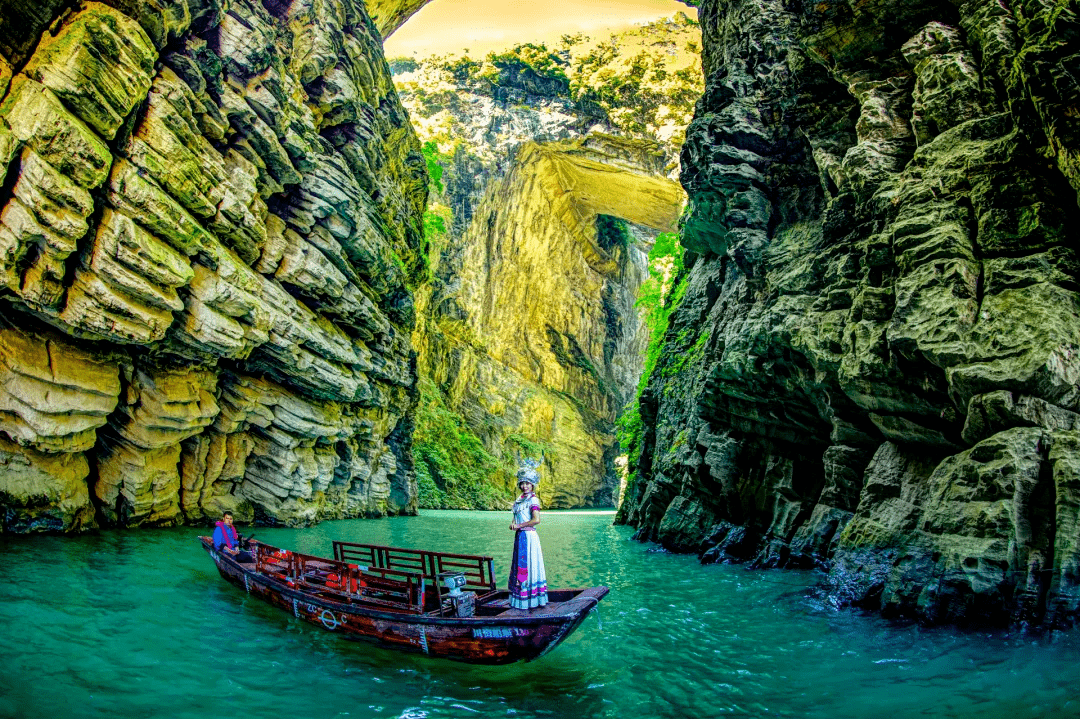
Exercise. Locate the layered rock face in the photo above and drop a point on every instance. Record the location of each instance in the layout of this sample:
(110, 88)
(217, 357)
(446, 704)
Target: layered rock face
(534, 338)
(875, 365)
(209, 215)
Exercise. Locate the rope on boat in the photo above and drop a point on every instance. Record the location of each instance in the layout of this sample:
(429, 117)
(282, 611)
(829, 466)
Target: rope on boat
(599, 619)
(596, 608)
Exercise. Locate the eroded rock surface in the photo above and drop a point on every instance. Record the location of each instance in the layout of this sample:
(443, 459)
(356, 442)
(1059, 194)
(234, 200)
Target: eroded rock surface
(210, 214)
(389, 15)
(875, 365)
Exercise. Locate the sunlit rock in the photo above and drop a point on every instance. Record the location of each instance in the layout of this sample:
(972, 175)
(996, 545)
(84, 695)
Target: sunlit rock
(177, 209)
(298, 460)
(38, 118)
(39, 228)
(125, 288)
(527, 349)
(99, 64)
(138, 487)
(54, 395)
(44, 492)
(138, 478)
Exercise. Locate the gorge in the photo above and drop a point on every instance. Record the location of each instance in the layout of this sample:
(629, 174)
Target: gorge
(224, 286)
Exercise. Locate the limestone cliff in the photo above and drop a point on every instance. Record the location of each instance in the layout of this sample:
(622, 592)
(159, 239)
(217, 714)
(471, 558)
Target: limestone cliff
(528, 334)
(875, 365)
(533, 336)
(210, 213)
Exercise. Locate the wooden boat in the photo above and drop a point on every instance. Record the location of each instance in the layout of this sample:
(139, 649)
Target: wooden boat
(397, 598)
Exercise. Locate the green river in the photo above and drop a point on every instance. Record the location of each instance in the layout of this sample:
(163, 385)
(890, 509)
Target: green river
(138, 624)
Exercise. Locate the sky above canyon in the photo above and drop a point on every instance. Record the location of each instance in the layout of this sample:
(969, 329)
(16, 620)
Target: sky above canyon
(450, 26)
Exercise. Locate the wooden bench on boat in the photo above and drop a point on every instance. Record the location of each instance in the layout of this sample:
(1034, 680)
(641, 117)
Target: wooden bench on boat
(403, 579)
(479, 575)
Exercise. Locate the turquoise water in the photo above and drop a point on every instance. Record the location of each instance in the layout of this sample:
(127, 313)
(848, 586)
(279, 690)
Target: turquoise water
(138, 624)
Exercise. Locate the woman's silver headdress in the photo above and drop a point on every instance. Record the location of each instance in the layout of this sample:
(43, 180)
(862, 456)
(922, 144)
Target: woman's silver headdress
(528, 472)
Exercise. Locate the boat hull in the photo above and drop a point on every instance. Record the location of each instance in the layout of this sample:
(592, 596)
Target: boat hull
(502, 639)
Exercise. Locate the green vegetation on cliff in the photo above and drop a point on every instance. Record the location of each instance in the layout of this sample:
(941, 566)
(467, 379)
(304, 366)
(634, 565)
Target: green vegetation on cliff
(530, 67)
(436, 215)
(430, 149)
(473, 115)
(643, 82)
(658, 297)
(453, 469)
(638, 92)
(612, 232)
(403, 64)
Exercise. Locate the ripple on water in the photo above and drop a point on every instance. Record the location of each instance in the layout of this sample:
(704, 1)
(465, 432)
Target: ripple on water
(129, 623)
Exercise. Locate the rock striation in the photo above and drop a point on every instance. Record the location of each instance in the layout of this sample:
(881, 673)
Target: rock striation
(210, 217)
(529, 338)
(875, 365)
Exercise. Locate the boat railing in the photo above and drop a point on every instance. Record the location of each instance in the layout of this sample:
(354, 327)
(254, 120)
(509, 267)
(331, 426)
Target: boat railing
(398, 589)
(479, 575)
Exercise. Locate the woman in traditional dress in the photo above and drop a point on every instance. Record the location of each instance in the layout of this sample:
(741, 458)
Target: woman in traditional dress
(528, 582)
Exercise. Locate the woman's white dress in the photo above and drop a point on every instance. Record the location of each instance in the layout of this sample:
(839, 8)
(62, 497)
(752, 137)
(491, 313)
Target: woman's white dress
(528, 581)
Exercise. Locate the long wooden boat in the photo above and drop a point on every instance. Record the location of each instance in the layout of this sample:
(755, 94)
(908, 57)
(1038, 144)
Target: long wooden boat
(397, 598)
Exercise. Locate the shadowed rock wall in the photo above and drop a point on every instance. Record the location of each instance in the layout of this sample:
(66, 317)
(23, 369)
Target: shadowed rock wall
(209, 214)
(875, 367)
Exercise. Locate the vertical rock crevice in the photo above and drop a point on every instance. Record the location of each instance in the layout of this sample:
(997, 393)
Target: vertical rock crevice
(534, 338)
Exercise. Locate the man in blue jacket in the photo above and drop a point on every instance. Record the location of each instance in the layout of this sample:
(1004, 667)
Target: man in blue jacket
(227, 540)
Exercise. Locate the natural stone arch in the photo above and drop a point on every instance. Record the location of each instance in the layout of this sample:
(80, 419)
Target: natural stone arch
(389, 15)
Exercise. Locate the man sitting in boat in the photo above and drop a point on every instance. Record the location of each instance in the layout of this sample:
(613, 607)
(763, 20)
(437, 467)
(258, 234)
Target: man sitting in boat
(227, 540)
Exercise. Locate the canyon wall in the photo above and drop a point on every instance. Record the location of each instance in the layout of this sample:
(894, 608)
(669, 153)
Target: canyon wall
(211, 216)
(640, 83)
(875, 365)
(532, 336)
